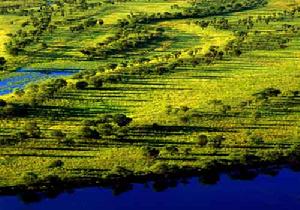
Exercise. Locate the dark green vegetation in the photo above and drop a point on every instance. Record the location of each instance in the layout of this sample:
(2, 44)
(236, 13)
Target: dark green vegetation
(165, 86)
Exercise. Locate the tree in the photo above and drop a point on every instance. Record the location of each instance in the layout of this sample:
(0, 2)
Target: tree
(2, 103)
(33, 130)
(202, 140)
(122, 120)
(58, 134)
(151, 152)
(268, 92)
(80, 85)
(100, 22)
(56, 164)
(112, 66)
(2, 62)
(105, 129)
(88, 132)
(256, 139)
(97, 82)
(172, 149)
(20, 136)
(217, 141)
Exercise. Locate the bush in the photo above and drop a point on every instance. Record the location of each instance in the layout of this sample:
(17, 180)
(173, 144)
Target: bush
(67, 142)
(122, 120)
(80, 85)
(268, 92)
(105, 129)
(97, 82)
(33, 130)
(121, 171)
(30, 178)
(58, 134)
(2, 62)
(255, 139)
(21, 135)
(87, 132)
(217, 141)
(2, 103)
(56, 164)
(151, 152)
(202, 140)
(172, 149)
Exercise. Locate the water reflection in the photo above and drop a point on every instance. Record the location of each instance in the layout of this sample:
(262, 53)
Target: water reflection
(238, 190)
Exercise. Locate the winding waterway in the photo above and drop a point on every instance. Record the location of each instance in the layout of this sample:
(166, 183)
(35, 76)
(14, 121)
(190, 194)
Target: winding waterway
(280, 192)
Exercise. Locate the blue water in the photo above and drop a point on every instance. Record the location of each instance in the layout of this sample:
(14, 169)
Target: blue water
(281, 192)
(25, 76)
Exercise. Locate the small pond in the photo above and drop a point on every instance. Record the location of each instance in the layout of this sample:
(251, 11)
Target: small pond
(23, 76)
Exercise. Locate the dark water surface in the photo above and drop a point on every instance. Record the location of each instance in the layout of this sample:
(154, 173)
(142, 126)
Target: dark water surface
(263, 193)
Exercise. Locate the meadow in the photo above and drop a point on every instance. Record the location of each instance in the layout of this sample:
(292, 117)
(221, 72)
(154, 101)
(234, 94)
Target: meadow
(163, 87)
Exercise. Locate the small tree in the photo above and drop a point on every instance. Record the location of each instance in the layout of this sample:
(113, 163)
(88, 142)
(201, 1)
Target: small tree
(58, 134)
(30, 178)
(2, 63)
(56, 164)
(151, 152)
(80, 85)
(100, 22)
(87, 132)
(122, 120)
(33, 130)
(2, 103)
(256, 139)
(172, 149)
(217, 141)
(97, 82)
(202, 140)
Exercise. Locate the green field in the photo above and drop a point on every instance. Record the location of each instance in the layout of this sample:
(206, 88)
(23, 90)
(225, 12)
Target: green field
(164, 85)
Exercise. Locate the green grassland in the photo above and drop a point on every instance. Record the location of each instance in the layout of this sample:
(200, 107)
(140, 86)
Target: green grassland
(232, 97)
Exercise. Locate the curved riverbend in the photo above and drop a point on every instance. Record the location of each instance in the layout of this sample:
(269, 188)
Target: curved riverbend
(280, 192)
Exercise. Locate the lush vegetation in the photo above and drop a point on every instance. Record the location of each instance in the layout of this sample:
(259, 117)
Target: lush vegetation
(162, 87)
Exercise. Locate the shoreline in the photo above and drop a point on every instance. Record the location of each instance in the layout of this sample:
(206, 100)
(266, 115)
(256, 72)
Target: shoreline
(209, 175)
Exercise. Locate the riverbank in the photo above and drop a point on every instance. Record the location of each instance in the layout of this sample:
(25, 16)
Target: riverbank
(122, 177)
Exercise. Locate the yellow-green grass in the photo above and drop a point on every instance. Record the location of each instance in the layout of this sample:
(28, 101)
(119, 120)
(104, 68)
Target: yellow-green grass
(145, 99)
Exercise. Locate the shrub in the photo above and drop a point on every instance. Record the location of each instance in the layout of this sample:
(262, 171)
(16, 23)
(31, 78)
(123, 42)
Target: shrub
(202, 140)
(268, 92)
(87, 132)
(122, 120)
(121, 171)
(2, 62)
(58, 134)
(255, 139)
(2, 103)
(21, 135)
(67, 142)
(217, 141)
(172, 149)
(33, 130)
(97, 82)
(56, 164)
(151, 152)
(80, 85)
(30, 178)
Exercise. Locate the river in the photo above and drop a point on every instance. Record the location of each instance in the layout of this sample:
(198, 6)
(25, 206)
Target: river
(280, 192)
